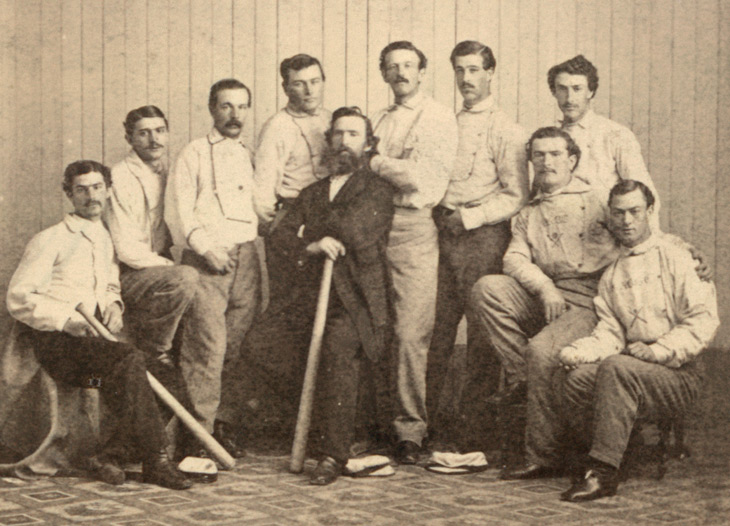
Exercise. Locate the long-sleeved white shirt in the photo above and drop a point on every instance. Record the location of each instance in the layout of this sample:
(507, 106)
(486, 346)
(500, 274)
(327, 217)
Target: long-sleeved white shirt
(289, 156)
(489, 182)
(135, 215)
(609, 153)
(651, 294)
(418, 141)
(69, 263)
(209, 195)
(559, 236)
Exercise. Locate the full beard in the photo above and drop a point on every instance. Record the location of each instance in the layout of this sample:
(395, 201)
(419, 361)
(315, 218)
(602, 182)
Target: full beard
(342, 161)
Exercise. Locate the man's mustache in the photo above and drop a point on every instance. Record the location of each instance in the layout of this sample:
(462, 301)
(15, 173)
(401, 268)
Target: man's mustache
(94, 202)
(401, 79)
(154, 145)
(467, 85)
(234, 122)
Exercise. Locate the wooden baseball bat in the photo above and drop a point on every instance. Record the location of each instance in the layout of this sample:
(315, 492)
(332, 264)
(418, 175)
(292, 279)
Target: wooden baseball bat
(304, 417)
(210, 443)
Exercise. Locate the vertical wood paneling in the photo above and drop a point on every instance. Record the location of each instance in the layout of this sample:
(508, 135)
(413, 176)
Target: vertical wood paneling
(244, 43)
(527, 72)
(92, 129)
(357, 52)
(641, 79)
(114, 83)
(444, 19)
(378, 37)
(178, 107)
(267, 72)
(622, 29)
(705, 136)
(201, 66)
(722, 210)
(77, 67)
(660, 136)
(334, 53)
(51, 199)
(135, 33)
(683, 91)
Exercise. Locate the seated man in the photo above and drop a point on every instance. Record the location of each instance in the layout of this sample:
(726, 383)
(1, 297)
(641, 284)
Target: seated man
(655, 317)
(73, 263)
(345, 217)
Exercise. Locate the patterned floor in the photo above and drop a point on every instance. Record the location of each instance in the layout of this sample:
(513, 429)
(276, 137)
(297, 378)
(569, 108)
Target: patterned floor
(260, 491)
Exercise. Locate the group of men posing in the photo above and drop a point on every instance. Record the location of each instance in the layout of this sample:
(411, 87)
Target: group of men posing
(588, 306)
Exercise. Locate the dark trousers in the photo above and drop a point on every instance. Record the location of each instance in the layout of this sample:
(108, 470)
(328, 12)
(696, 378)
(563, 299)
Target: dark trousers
(118, 371)
(622, 389)
(463, 259)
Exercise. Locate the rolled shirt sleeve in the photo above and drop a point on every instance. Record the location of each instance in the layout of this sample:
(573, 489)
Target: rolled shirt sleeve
(518, 262)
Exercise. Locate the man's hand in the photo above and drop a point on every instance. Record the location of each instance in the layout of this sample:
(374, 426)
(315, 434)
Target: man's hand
(219, 260)
(80, 329)
(113, 318)
(454, 223)
(703, 268)
(553, 303)
(646, 353)
(328, 246)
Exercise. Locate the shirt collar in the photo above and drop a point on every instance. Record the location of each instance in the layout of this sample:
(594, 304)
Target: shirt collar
(641, 248)
(138, 165)
(90, 229)
(215, 137)
(575, 186)
(486, 105)
(584, 123)
(302, 114)
(413, 103)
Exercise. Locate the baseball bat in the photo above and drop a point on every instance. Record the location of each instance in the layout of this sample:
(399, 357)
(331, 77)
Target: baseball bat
(210, 443)
(304, 417)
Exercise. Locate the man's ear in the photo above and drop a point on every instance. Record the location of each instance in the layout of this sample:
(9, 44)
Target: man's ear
(573, 161)
(128, 138)
(593, 94)
(650, 209)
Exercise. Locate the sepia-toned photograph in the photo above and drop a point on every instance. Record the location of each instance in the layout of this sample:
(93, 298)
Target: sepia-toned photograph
(378, 262)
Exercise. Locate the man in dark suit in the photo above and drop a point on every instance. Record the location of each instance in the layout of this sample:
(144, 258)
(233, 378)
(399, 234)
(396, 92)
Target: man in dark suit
(345, 217)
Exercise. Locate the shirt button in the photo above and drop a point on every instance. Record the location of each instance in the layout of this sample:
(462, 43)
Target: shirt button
(581, 234)
(300, 263)
(240, 187)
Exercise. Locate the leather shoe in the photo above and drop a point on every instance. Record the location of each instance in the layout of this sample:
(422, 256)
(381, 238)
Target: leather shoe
(528, 471)
(228, 438)
(596, 483)
(106, 470)
(158, 469)
(407, 452)
(513, 394)
(326, 472)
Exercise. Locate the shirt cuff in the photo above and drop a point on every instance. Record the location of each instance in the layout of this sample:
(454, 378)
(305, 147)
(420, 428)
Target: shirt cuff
(664, 356)
(471, 217)
(198, 241)
(376, 162)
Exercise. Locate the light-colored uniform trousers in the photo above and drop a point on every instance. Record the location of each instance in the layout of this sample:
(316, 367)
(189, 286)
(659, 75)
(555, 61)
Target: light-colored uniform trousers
(514, 321)
(213, 334)
(413, 260)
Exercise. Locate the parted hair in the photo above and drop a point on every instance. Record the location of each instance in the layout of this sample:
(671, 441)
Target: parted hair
(550, 132)
(625, 186)
(403, 44)
(226, 84)
(143, 112)
(298, 63)
(472, 47)
(354, 111)
(578, 65)
(84, 167)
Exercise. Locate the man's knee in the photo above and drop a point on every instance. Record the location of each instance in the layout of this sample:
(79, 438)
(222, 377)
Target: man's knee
(488, 293)
(185, 279)
(617, 366)
(579, 384)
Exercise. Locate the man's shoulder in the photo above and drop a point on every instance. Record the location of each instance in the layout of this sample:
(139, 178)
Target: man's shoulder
(672, 249)
(376, 183)
(43, 238)
(611, 128)
(504, 125)
(437, 109)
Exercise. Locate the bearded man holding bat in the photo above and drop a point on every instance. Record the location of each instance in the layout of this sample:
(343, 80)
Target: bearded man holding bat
(345, 217)
(73, 263)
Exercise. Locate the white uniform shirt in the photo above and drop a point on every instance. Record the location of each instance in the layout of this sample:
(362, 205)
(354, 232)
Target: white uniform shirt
(289, 156)
(651, 294)
(135, 215)
(489, 182)
(69, 263)
(418, 141)
(209, 196)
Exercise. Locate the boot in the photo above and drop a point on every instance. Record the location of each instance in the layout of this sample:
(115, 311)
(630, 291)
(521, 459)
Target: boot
(158, 469)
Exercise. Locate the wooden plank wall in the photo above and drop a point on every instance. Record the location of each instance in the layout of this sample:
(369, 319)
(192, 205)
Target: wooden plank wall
(71, 69)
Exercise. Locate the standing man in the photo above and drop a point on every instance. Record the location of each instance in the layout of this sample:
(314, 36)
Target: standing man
(73, 263)
(489, 185)
(418, 141)
(655, 317)
(559, 248)
(209, 209)
(289, 155)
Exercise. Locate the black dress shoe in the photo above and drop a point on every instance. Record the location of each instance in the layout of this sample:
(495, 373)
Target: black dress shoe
(597, 483)
(158, 469)
(326, 472)
(407, 452)
(228, 438)
(528, 471)
(106, 470)
(513, 394)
